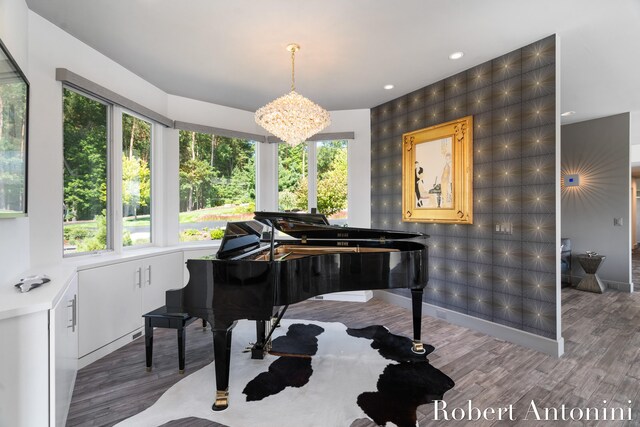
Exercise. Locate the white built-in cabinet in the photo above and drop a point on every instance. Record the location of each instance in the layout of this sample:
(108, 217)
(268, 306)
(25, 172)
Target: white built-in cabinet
(113, 298)
(63, 346)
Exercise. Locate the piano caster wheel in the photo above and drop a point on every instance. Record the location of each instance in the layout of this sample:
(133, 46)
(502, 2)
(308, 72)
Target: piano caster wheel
(418, 348)
(181, 371)
(148, 368)
(222, 401)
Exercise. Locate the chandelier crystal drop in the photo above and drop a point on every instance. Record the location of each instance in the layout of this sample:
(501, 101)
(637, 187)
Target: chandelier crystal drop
(292, 117)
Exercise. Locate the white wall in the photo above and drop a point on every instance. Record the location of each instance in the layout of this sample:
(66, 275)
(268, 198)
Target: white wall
(359, 155)
(14, 232)
(359, 162)
(37, 240)
(51, 48)
(599, 151)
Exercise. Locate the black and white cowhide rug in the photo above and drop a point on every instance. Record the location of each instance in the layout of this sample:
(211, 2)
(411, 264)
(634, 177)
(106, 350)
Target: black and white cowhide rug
(325, 374)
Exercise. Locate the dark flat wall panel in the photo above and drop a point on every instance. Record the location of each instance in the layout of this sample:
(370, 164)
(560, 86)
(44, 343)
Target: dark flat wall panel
(507, 279)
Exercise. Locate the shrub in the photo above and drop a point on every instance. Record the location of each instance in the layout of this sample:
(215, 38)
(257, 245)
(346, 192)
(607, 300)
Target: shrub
(217, 234)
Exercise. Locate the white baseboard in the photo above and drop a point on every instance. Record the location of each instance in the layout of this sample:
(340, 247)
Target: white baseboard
(611, 284)
(620, 286)
(89, 358)
(354, 296)
(526, 339)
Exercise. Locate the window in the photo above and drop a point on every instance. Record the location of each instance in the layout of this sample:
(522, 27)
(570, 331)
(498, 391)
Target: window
(328, 188)
(293, 172)
(332, 180)
(136, 181)
(86, 179)
(217, 184)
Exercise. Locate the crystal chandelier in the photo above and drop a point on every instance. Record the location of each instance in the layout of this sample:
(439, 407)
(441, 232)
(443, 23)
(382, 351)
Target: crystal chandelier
(292, 117)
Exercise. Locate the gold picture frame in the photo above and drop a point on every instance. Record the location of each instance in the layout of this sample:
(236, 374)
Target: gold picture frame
(437, 173)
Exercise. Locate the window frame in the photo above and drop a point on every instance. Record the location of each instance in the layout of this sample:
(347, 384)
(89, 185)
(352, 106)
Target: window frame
(110, 244)
(114, 215)
(152, 179)
(312, 171)
(257, 144)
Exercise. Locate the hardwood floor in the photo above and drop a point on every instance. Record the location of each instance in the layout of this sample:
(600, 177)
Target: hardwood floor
(635, 268)
(602, 362)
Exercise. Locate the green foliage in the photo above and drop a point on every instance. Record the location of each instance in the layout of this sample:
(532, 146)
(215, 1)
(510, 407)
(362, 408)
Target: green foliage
(190, 235)
(12, 145)
(287, 200)
(302, 195)
(215, 171)
(217, 234)
(98, 241)
(73, 234)
(332, 183)
(136, 185)
(85, 156)
(193, 234)
(126, 238)
(332, 177)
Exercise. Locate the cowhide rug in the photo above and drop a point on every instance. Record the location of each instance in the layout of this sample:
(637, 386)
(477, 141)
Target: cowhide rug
(343, 375)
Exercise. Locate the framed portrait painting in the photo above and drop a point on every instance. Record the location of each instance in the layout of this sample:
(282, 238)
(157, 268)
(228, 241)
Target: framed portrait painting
(437, 173)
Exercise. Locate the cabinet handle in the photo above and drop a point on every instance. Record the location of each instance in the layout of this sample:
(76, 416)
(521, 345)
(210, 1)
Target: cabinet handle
(73, 305)
(139, 277)
(148, 274)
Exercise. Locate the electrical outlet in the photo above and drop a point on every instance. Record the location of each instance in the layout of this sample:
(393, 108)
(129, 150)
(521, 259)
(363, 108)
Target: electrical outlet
(617, 222)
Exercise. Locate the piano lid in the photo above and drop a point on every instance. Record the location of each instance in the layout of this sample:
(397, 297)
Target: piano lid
(240, 237)
(316, 226)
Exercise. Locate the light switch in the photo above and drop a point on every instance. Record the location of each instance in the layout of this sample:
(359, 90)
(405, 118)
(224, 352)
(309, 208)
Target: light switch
(504, 228)
(617, 222)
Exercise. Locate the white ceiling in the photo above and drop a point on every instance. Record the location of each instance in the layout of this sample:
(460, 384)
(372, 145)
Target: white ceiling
(233, 52)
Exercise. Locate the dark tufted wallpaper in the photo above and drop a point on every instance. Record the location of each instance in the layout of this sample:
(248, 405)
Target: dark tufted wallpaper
(507, 279)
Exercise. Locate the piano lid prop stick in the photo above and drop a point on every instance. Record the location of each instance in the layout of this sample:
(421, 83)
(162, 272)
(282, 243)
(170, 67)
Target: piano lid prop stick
(272, 240)
(275, 325)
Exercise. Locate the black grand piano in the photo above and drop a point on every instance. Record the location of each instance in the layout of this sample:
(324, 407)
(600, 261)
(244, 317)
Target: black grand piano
(256, 275)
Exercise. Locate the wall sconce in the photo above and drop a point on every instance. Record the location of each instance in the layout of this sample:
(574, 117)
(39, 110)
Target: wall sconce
(572, 180)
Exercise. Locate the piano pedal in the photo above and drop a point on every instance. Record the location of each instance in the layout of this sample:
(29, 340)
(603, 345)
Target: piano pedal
(249, 348)
(418, 347)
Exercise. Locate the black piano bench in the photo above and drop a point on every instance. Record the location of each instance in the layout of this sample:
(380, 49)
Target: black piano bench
(159, 318)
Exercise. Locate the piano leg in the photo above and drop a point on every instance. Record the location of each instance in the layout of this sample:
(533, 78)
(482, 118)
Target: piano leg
(222, 356)
(416, 305)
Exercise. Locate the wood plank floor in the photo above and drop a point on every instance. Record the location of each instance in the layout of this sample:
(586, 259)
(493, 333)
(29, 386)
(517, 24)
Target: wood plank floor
(602, 362)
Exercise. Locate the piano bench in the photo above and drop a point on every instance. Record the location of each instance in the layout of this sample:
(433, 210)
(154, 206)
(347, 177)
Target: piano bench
(159, 318)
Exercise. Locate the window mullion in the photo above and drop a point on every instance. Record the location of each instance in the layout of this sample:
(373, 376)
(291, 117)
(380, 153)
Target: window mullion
(157, 185)
(115, 180)
(312, 183)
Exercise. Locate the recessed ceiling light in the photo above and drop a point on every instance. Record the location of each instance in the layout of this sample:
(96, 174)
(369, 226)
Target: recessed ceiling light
(456, 55)
(568, 113)
(388, 87)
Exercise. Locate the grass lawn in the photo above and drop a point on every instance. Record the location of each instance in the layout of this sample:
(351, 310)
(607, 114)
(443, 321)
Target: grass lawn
(219, 213)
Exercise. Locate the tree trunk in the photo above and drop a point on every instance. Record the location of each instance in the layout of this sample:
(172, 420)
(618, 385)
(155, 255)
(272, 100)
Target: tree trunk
(303, 162)
(213, 142)
(193, 145)
(190, 207)
(132, 138)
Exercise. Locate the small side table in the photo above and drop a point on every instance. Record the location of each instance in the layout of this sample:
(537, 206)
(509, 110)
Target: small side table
(591, 282)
